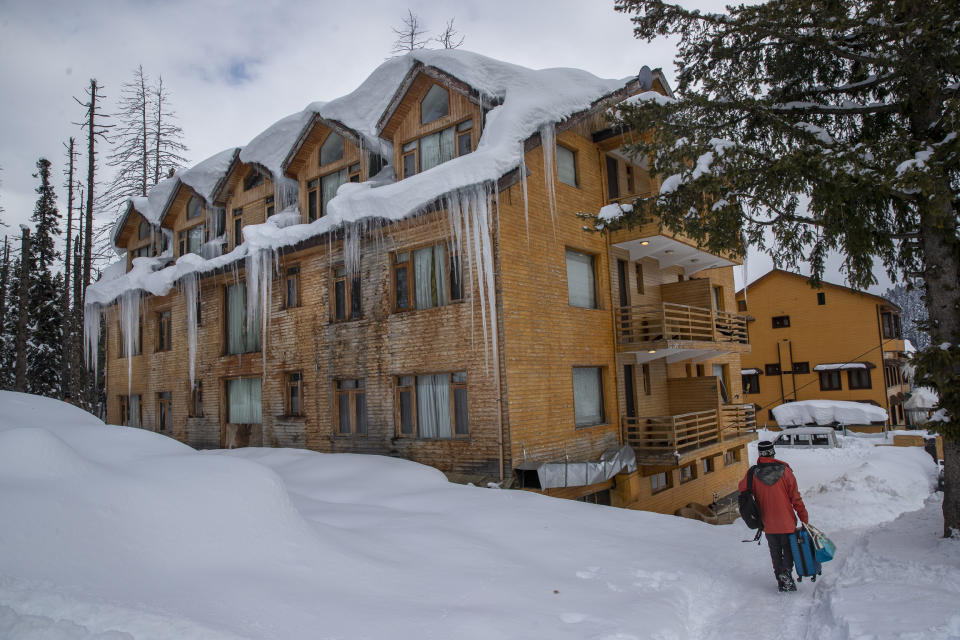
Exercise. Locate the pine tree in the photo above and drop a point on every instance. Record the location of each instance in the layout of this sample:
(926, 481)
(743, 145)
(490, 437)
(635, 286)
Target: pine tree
(45, 314)
(6, 335)
(909, 297)
(831, 125)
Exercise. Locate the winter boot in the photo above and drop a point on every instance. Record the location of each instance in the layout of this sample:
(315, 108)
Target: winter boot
(785, 582)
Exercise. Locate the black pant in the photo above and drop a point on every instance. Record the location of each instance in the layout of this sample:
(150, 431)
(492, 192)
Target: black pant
(780, 552)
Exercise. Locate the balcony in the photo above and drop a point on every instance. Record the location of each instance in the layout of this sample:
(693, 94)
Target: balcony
(679, 332)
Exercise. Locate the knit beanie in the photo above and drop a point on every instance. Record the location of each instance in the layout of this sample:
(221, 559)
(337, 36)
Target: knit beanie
(765, 449)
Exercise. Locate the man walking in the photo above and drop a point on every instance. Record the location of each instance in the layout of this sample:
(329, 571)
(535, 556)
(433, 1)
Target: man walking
(775, 489)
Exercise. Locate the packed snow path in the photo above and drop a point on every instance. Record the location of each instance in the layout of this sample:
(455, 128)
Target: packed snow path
(116, 533)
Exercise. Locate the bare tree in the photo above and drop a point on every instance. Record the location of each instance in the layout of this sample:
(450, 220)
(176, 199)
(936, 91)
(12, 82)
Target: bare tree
(130, 152)
(2, 223)
(68, 262)
(167, 134)
(410, 36)
(450, 38)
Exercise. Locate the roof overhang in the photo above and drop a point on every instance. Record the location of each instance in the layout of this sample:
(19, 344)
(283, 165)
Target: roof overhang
(673, 354)
(672, 253)
(842, 366)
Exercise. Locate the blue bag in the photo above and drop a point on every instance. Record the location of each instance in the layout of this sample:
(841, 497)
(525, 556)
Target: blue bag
(804, 555)
(825, 549)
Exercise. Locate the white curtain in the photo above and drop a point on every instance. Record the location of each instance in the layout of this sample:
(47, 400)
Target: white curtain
(447, 145)
(243, 401)
(440, 273)
(328, 188)
(429, 151)
(135, 411)
(566, 166)
(433, 406)
(423, 271)
(236, 322)
(195, 239)
(587, 395)
(580, 285)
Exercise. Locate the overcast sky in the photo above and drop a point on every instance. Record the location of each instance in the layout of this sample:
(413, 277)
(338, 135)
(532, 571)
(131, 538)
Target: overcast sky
(234, 68)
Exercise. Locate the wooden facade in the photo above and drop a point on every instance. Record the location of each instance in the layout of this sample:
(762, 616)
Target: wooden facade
(852, 336)
(342, 361)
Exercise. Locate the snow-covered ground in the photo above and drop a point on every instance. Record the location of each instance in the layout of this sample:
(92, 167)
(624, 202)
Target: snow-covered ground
(115, 533)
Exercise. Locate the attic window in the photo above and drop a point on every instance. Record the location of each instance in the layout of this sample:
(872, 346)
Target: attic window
(332, 149)
(194, 207)
(253, 179)
(434, 105)
(144, 231)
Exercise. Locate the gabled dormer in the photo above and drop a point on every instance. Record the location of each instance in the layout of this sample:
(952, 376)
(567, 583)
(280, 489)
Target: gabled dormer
(433, 118)
(136, 235)
(326, 156)
(246, 196)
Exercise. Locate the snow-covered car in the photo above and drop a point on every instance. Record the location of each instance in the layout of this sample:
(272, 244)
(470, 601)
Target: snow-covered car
(809, 437)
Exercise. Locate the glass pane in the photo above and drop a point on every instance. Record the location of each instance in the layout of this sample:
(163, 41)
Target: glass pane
(328, 188)
(429, 151)
(332, 149)
(236, 327)
(294, 400)
(194, 207)
(587, 396)
(344, 409)
(312, 205)
(405, 381)
(134, 411)
(447, 147)
(243, 401)
(460, 411)
(433, 406)
(456, 286)
(403, 298)
(460, 377)
(291, 291)
(580, 284)
(423, 284)
(355, 311)
(340, 301)
(195, 239)
(361, 410)
(406, 412)
(466, 124)
(409, 165)
(566, 167)
(434, 105)
(464, 144)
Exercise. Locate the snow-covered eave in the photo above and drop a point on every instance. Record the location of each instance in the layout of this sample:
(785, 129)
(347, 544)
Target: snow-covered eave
(349, 134)
(122, 222)
(217, 196)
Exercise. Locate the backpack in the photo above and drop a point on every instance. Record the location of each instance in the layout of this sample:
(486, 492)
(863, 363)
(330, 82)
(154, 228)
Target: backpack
(749, 509)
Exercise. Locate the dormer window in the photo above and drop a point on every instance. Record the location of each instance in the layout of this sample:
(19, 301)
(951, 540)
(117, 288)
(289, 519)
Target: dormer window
(144, 231)
(434, 105)
(436, 148)
(332, 149)
(253, 179)
(194, 208)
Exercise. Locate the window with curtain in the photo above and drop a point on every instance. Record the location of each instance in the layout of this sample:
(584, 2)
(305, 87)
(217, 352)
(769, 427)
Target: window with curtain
(328, 188)
(346, 295)
(191, 240)
(239, 340)
(130, 413)
(243, 401)
(566, 166)
(164, 331)
(581, 287)
(426, 277)
(165, 411)
(588, 396)
(332, 149)
(436, 148)
(351, 407)
(433, 406)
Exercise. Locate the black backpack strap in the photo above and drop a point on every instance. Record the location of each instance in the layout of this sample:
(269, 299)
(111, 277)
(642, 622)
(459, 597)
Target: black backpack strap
(750, 473)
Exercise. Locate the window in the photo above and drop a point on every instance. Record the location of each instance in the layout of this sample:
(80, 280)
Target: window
(613, 178)
(328, 188)
(353, 173)
(859, 378)
(199, 311)
(720, 373)
(718, 298)
(891, 325)
(434, 105)
(771, 369)
(659, 482)
(196, 400)
(639, 273)
(432, 406)
(294, 404)
(781, 322)
(142, 252)
(332, 149)
(465, 137)
(731, 457)
(801, 367)
(647, 388)
(165, 412)
(426, 278)
(351, 407)
(751, 382)
(566, 166)
(163, 331)
(346, 295)
(581, 288)
(271, 209)
(191, 240)
(830, 381)
(688, 473)
(312, 199)
(821, 298)
(291, 296)
(243, 401)
(437, 148)
(237, 226)
(144, 230)
(243, 335)
(741, 305)
(194, 207)
(130, 412)
(588, 396)
(254, 179)
(707, 465)
(410, 159)
(701, 371)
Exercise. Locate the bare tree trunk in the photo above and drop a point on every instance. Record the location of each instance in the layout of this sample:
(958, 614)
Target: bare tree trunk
(65, 299)
(156, 141)
(143, 116)
(91, 161)
(20, 383)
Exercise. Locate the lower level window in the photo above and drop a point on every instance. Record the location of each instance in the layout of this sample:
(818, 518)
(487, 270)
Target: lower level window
(588, 396)
(659, 482)
(433, 406)
(830, 381)
(687, 473)
(859, 378)
(165, 411)
(130, 413)
(731, 457)
(707, 465)
(243, 401)
(351, 407)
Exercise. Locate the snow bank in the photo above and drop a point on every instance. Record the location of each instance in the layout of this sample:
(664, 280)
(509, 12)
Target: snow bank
(793, 414)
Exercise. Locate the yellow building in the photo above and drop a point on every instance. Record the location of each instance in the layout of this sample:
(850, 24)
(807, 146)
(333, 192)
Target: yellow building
(830, 343)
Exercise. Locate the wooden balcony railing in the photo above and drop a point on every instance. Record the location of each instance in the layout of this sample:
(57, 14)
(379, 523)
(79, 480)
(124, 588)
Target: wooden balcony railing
(737, 419)
(641, 324)
(666, 434)
(628, 198)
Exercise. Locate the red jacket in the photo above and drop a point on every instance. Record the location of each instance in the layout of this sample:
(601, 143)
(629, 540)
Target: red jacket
(775, 488)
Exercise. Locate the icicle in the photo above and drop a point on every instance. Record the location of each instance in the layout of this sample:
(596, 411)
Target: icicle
(285, 193)
(352, 234)
(260, 265)
(191, 299)
(130, 302)
(91, 335)
(526, 202)
(548, 144)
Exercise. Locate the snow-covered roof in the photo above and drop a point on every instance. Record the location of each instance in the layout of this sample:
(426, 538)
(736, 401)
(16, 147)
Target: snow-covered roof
(827, 412)
(527, 101)
(835, 366)
(150, 207)
(269, 148)
(750, 372)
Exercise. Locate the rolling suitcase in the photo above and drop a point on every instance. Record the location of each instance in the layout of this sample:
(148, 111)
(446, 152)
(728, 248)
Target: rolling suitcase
(804, 555)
